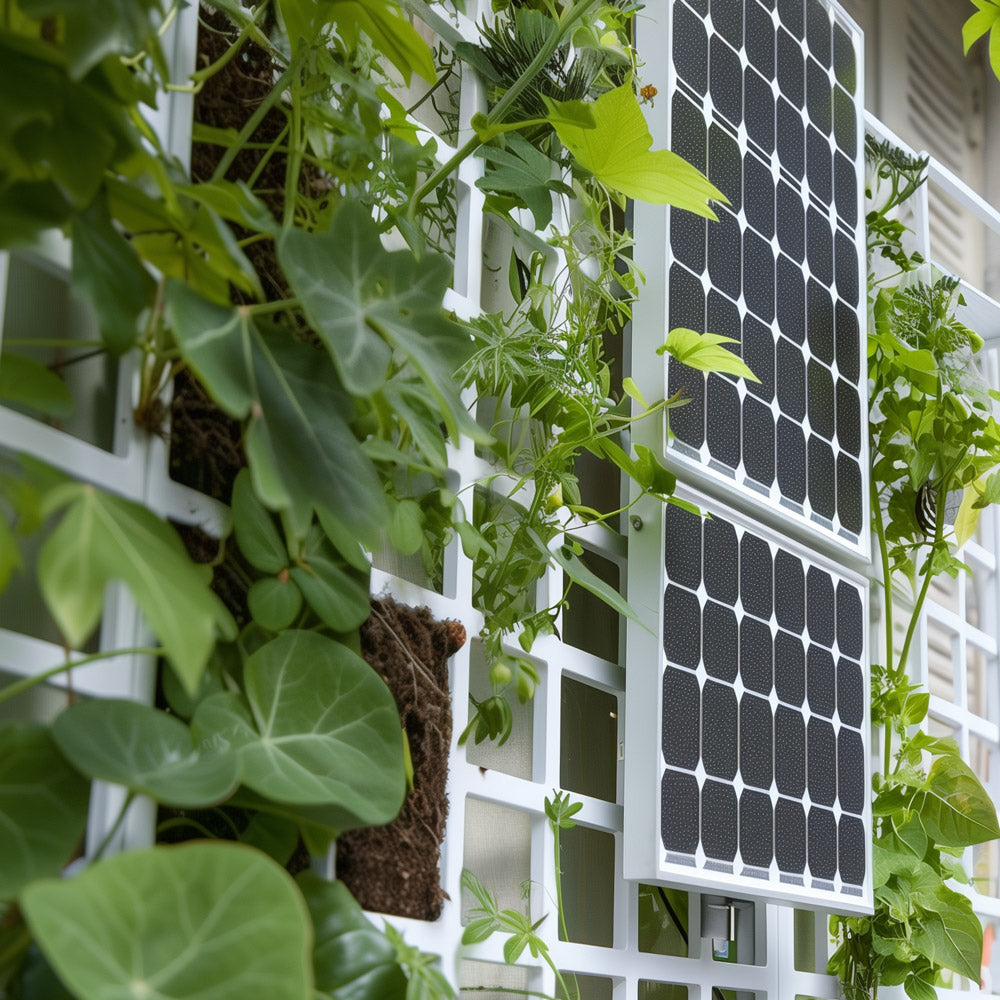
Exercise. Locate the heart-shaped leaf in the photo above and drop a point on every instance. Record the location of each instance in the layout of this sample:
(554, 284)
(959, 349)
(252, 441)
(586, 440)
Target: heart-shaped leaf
(176, 923)
(43, 806)
(146, 750)
(103, 538)
(351, 959)
(321, 729)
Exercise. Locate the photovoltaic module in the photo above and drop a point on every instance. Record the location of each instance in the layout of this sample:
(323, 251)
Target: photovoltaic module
(746, 756)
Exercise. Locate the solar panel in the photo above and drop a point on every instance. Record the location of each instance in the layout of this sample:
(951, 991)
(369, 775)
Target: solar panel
(764, 98)
(758, 774)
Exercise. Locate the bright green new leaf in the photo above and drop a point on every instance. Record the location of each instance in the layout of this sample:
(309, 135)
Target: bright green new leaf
(352, 960)
(406, 528)
(366, 303)
(984, 20)
(616, 151)
(704, 351)
(107, 270)
(101, 538)
(43, 807)
(301, 449)
(176, 923)
(919, 989)
(146, 750)
(954, 807)
(253, 525)
(967, 518)
(321, 730)
(26, 382)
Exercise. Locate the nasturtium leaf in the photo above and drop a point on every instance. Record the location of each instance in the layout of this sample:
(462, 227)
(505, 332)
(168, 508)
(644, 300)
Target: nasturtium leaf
(26, 382)
(43, 807)
(516, 168)
(176, 923)
(108, 271)
(253, 525)
(704, 351)
(101, 538)
(274, 603)
(321, 730)
(146, 750)
(352, 960)
(366, 302)
(954, 808)
(302, 451)
(616, 151)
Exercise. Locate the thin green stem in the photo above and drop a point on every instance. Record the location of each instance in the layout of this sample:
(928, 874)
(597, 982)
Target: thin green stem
(270, 150)
(293, 160)
(27, 683)
(265, 308)
(254, 121)
(499, 112)
(109, 836)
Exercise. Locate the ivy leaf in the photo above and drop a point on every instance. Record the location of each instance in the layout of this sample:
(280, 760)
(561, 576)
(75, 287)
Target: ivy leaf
(301, 449)
(520, 170)
(160, 923)
(616, 151)
(319, 728)
(43, 806)
(984, 20)
(146, 750)
(26, 382)
(704, 351)
(101, 538)
(366, 302)
(352, 960)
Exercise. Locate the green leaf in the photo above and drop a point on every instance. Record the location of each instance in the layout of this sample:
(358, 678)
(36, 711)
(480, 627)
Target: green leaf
(954, 808)
(391, 34)
(352, 960)
(704, 352)
(101, 538)
(518, 169)
(337, 592)
(919, 989)
(43, 807)
(99, 28)
(574, 568)
(321, 730)
(25, 382)
(274, 603)
(276, 836)
(616, 151)
(146, 750)
(107, 270)
(253, 524)
(967, 518)
(302, 451)
(366, 302)
(176, 923)
(10, 555)
(952, 937)
(406, 529)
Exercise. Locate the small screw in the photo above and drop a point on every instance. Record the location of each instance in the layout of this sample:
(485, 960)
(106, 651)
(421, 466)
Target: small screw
(637, 522)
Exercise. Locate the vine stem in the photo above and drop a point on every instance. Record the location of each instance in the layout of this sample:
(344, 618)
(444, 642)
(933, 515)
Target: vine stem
(109, 836)
(496, 116)
(27, 683)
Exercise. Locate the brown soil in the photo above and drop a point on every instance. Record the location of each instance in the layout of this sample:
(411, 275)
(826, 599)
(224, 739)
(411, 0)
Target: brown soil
(394, 868)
